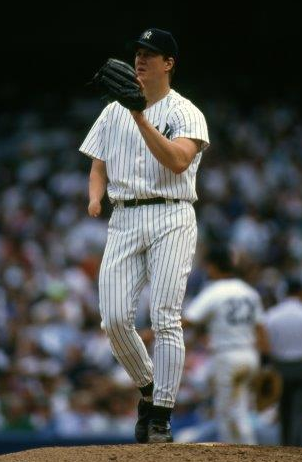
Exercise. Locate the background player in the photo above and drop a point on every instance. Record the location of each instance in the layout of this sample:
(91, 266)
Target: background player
(148, 162)
(283, 323)
(233, 312)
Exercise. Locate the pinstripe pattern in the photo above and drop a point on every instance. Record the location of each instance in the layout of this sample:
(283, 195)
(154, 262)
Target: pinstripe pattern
(155, 242)
(133, 171)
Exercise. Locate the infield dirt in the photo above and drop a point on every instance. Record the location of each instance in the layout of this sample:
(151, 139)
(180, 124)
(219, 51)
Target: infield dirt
(204, 452)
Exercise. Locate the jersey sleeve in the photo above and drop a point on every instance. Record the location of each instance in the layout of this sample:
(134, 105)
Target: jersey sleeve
(187, 121)
(94, 143)
(200, 308)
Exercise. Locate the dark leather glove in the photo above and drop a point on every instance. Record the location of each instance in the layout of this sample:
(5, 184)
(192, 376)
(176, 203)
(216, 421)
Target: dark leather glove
(121, 84)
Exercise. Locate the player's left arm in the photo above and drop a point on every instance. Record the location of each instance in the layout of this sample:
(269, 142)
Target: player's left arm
(174, 154)
(262, 340)
(199, 310)
(261, 334)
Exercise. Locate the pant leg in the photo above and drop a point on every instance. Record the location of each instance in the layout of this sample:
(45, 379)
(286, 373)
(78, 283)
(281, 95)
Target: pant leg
(285, 408)
(170, 257)
(296, 416)
(122, 277)
(290, 406)
(241, 412)
(233, 372)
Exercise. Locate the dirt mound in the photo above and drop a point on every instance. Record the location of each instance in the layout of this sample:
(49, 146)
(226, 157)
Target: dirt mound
(204, 452)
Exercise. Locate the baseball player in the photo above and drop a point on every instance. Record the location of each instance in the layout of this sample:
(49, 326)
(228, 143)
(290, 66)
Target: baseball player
(146, 147)
(233, 312)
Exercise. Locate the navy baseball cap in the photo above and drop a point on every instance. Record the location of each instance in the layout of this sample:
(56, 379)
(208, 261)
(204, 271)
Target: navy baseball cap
(157, 40)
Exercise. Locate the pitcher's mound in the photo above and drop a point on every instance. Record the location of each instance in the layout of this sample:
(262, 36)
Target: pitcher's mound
(203, 452)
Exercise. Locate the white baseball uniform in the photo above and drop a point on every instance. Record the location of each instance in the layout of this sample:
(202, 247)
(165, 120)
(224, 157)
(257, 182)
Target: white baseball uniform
(154, 242)
(231, 308)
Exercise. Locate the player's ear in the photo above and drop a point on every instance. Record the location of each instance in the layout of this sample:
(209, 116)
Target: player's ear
(169, 63)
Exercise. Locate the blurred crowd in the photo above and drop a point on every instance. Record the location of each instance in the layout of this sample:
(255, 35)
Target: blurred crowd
(57, 373)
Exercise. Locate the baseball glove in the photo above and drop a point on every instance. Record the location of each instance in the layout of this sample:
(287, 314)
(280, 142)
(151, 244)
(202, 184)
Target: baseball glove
(121, 84)
(268, 387)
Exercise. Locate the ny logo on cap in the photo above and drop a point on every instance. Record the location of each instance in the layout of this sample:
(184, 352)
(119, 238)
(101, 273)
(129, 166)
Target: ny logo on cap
(147, 34)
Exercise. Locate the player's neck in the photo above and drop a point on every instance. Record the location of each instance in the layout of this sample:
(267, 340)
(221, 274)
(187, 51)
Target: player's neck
(155, 93)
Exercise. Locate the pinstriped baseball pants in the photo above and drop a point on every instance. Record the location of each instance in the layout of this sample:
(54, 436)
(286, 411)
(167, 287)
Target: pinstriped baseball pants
(156, 243)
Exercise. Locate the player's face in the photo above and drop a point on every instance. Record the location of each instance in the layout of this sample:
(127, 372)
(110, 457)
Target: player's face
(149, 65)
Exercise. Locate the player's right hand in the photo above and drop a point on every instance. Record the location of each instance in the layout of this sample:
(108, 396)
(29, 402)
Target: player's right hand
(94, 208)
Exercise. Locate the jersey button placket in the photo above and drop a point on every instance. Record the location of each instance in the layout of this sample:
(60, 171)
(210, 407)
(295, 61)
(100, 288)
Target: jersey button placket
(137, 176)
(140, 166)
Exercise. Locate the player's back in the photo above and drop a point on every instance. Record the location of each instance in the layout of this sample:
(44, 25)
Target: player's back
(234, 309)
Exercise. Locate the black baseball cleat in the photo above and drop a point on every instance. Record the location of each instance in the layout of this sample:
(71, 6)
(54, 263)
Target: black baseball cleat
(159, 431)
(144, 415)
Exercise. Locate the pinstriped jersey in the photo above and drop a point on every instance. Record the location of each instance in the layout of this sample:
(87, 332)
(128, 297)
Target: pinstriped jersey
(132, 170)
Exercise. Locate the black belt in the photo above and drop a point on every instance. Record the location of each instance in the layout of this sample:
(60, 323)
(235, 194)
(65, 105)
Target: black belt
(153, 200)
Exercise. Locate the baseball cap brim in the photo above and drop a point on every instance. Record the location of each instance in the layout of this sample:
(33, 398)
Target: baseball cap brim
(141, 43)
(133, 46)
